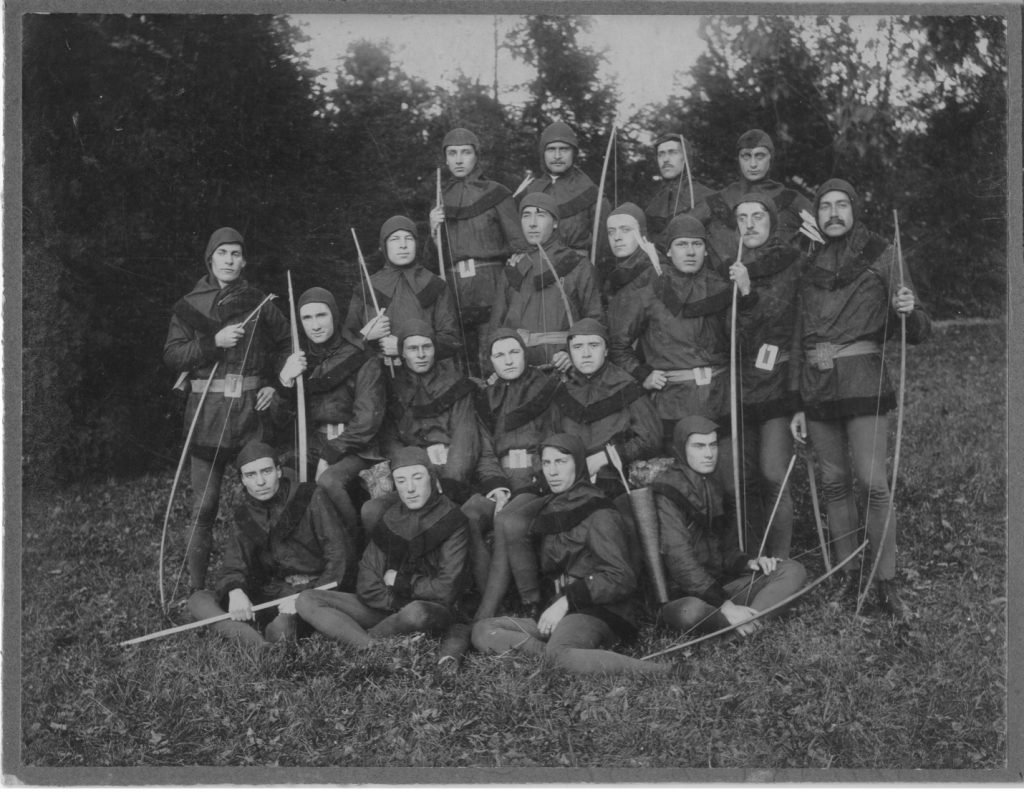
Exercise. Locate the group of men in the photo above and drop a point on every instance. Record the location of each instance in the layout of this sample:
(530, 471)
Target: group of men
(510, 394)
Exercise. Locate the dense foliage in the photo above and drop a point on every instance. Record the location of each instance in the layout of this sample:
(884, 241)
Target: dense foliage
(143, 133)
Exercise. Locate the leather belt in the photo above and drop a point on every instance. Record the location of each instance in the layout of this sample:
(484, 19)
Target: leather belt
(823, 353)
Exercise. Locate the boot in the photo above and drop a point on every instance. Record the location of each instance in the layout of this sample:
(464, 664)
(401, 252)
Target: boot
(889, 599)
(846, 588)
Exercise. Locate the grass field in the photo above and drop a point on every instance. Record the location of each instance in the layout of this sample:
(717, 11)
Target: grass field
(822, 690)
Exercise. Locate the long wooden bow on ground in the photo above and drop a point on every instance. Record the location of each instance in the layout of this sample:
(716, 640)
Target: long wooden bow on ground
(184, 456)
(373, 295)
(213, 619)
(600, 196)
(761, 614)
(300, 388)
(898, 258)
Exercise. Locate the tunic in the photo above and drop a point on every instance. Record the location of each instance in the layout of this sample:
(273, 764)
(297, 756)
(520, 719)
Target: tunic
(480, 224)
(427, 547)
(531, 302)
(846, 292)
(296, 532)
(226, 422)
(584, 549)
(700, 550)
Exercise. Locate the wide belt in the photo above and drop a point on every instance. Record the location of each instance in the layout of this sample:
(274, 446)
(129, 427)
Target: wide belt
(517, 459)
(233, 384)
(701, 375)
(537, 339)
(466, 268)
(332, 430)
(822, 354)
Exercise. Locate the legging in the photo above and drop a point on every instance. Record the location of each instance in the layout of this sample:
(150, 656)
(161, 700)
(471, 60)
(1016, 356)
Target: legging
(336, 480)
(573, 644)
(206, 476)
(753, 590)
(767, 448)
(864, 441)
(345, 618)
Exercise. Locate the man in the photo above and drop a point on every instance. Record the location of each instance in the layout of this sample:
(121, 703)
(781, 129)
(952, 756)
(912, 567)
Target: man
(603, 405)
(850, 298)
(636, 261)
(591, 586)
(673, 337)
(480, 231)
(765, 333)
(346, 398)
(287, 537)
(404, 290)
(574, 194)
(431, 406)
(712, 584)
(754, 153)
(223, 329)
(412, 570)
(676, 195)
(547, 289)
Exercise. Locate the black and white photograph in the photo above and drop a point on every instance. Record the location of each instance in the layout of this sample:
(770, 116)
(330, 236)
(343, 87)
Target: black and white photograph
(507, 394)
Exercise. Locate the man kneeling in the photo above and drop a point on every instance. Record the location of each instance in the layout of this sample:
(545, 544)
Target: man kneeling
(412, 570)
(717, 585)
(287, 537)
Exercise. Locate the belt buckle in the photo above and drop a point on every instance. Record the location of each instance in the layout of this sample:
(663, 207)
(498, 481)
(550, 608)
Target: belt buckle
(233, 386)
(467, 268)
(335, 430)
(518, 458)
(702, 375)
(766, 357)
(824, 352)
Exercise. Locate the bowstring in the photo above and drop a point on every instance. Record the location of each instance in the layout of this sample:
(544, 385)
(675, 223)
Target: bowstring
(209, 476)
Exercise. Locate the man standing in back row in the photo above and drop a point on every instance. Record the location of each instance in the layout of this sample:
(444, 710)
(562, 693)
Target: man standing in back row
(754, 154)
(679, 194)
(480, 232)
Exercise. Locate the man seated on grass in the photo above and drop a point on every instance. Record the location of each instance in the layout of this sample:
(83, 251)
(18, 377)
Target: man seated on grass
(589, 584)
(412, 570)
(287, 537)
(714, 583)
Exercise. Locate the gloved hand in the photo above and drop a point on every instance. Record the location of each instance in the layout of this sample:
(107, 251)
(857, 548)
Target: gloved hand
(288, 606)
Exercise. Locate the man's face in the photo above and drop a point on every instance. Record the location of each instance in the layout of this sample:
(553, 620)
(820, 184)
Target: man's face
(461, 160)
(687, 254)
(587, 352)
(538, 225)
(401, 248)
(414, 484)
(508, 358)
(670, 159)
(558, 157)
(835, 213)
(559, 469)
(317, 322)
(755, 163)
(261, 478)
(623, 235)
(418, 354)
(702, 452)
(754, 224)
(227, 263)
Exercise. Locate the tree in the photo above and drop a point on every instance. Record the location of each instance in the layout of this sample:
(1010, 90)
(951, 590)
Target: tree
(142, 134)
(567, 87)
